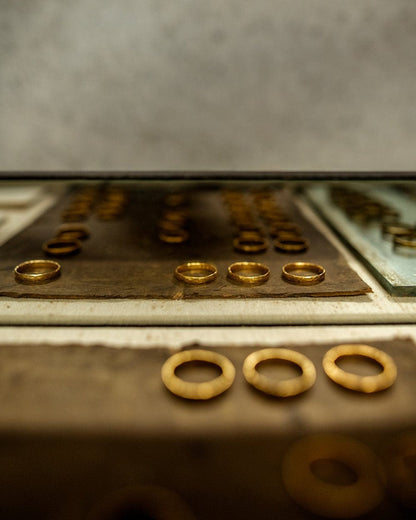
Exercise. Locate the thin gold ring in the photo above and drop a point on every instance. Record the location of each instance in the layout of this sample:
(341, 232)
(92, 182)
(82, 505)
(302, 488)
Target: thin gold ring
(291, 245)
(405, 241)
(183, 273)
(365, 384)
(62, 247)
(37, 271)
(250, 244)
(77, 231)
(292, 273)
(198, 391)
(326, 498)
(258, 273)
(174, 236)
(286, 388)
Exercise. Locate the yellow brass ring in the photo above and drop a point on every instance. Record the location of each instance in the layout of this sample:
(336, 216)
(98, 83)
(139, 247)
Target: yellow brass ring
(61, 247)
(248, 272)
(326, 498)
(303, 273)
(198, 391)
(291, 245)
(193, 273)
(285, 388)
(37, 271)
(365, 384)
(253, 243)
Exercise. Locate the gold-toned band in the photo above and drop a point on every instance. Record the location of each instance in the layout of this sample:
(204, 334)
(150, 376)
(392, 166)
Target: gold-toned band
(303, 273)
(196, 273)
(365, 384)
(62, 246)
(405, 241)
(37, 271)
(291, 245)
(173, 236)
(397, 229)
(198, 391)
(250, 243)
(249, 272)
(285, 388)
(71, 231)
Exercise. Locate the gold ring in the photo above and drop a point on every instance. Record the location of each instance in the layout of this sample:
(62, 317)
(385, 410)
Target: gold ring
(286, 388)
(291, 245)
(366, 384)
(173, 236)
(255, 272)
(331, 499)
(299, 273)
(405, 241)
(71, 231)
(253, 243)
(37, 271)
(397, 229)
(198, 391)
(184, 273)
(61, 247)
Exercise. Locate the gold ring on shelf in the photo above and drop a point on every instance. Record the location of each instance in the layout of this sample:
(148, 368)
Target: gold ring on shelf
(173, 236)
(330, 499)
(250, 243)
(62, 246)
(198, 391)
(303, 273)
(365, 384)
(291, 245)
(196, 273)
(37, 271)
(71, 231)
(248, 272)
(285, 388)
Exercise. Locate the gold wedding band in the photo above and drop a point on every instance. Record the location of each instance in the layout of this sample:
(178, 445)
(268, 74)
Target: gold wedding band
(173, 236)
(291, 245)
(197, 391)
(250, 243)
(71, 231)
(248, 272)
(329, 499)
(365, 384)
(285, 388)
(196, 273)
(62, 246)
(37, 271)
(299, 273)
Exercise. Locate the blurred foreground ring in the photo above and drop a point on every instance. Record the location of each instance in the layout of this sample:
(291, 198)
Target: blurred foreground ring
(198, 391)
(37, 271)
(303, 273)
(248, 272)
(287, 387)
(365, 384)
(62, 246)
(196, 273)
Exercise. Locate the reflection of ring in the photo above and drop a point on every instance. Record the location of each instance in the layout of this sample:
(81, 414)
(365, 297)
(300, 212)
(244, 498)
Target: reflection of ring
(250, 244)
(297, 273)
(330, 499)
(184, 273)
(61, 247)
(37, 271)
(291, 245)
(366, 384)
(405, 241)
(286, 388)
(255, 272)
(205, 390)
(71, 231)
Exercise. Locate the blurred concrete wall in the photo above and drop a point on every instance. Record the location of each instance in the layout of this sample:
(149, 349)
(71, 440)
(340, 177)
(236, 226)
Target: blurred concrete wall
(208, 84)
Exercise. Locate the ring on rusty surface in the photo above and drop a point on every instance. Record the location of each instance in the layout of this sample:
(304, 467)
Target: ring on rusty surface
(37, 271)
(299, 273)
(330, 499)
(62, 246)
(248, 272)
(285, 388)
(197, 391)
(196, 273)
(365, 384)
(250, 243)
(291, 245)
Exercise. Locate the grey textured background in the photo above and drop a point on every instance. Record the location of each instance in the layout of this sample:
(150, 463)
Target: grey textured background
(191, 84)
